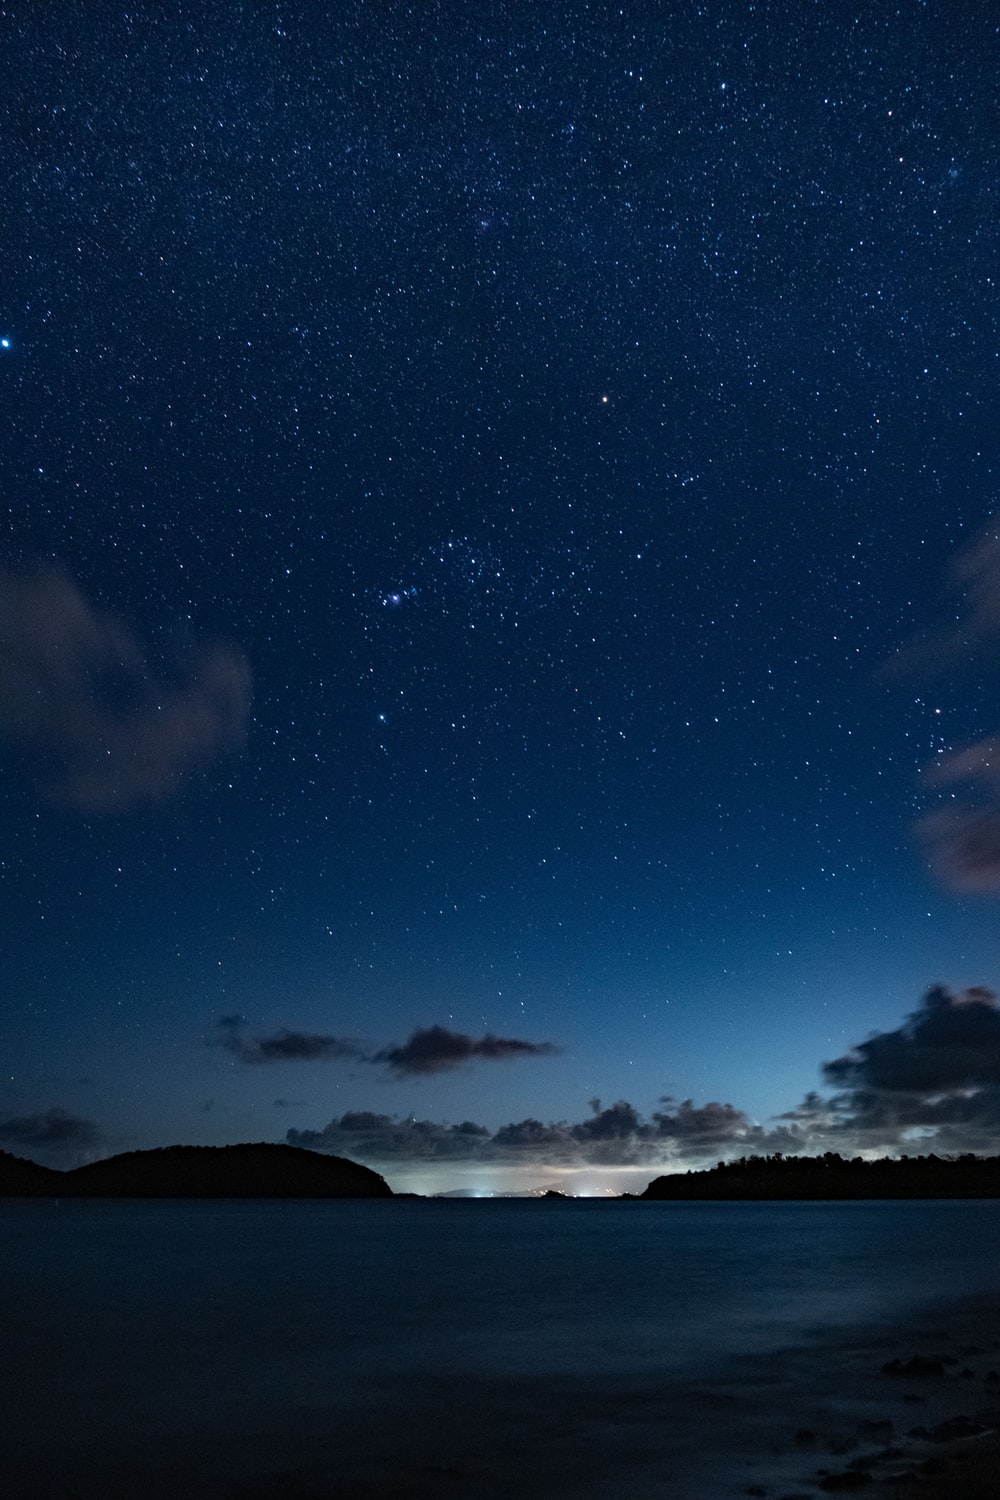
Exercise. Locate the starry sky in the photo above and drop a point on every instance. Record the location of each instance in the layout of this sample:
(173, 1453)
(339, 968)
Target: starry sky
(499, 600)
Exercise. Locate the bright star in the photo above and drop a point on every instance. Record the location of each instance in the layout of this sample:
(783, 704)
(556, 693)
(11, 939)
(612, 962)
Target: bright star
(395, 599)
(4, 343)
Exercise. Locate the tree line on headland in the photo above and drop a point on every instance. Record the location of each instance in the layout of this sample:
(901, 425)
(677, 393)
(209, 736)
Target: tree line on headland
(834, 1176)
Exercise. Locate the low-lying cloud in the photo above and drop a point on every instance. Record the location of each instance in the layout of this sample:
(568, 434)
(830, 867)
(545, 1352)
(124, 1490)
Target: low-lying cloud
(54, 1134)
(95, 727)
(613, 1136)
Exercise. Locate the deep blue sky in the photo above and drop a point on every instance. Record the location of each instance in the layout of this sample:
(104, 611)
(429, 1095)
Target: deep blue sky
(474, 476)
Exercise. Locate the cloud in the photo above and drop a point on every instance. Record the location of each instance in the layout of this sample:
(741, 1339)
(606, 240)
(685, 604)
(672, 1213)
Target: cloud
(52, 1133)
(705, 1125)
(933, 1083)
(363, 1135)
(977, 571)
(952, 1041)
(96, 728)
(615, 1136)
(432, 1050)
(962, 838)
(284, 1046)
(975, 626)
(963, 843)
(436, 1050)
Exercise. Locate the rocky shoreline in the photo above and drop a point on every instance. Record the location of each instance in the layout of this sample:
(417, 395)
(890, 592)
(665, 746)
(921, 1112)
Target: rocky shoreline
(932, 1428)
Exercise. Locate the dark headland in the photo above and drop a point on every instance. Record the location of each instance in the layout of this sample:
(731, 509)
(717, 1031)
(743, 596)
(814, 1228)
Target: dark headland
(250, 1171)
(833, 1176)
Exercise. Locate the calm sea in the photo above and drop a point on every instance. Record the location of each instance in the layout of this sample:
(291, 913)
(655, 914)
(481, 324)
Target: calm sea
(464, 1349)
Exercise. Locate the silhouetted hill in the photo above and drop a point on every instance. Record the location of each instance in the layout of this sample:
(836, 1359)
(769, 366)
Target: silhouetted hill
(831, 1176)
(26, 1179)
(253, 1171)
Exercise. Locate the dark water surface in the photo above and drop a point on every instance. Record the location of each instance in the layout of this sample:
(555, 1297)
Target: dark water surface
(416, 1349)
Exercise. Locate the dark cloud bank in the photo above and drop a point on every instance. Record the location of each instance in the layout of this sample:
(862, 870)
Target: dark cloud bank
(612, 1136)
(96, 728)
(932, 1084)
(937, 1076)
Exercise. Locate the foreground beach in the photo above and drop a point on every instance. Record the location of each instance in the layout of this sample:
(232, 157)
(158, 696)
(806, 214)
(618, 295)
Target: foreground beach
(911, 1411)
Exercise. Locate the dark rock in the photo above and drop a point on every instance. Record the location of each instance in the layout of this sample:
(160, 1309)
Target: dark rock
(805, 1438)
(917, 1364)
(931, 1466)
(955, 1428)
(847, 1479)
(879, 1429)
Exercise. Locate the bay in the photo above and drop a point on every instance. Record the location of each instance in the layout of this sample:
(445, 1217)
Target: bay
(252, 1350)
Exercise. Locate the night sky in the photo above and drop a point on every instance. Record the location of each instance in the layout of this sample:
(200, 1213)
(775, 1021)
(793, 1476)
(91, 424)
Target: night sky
(499, 609)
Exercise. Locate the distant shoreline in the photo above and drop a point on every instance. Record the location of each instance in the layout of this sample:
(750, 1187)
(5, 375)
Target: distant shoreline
(266, 1170)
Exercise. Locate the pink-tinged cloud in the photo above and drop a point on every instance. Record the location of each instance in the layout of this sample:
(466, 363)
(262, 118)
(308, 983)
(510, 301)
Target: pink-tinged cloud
(96, 728)
(436, 1050)
(961, 837)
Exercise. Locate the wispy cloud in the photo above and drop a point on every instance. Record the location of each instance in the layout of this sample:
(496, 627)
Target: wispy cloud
(284, 1046)
(96, 728)
(962, 837)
